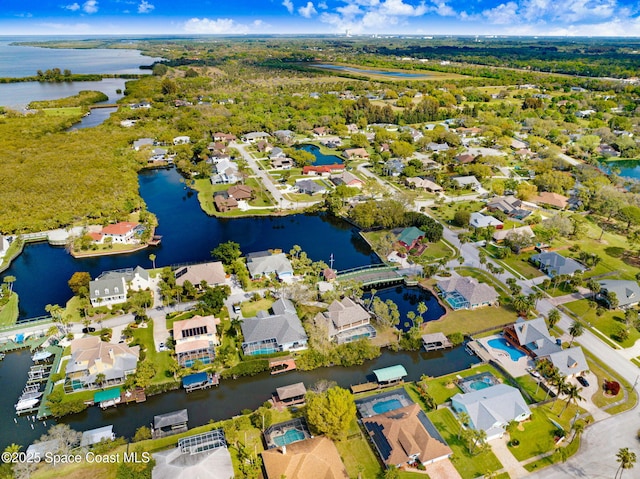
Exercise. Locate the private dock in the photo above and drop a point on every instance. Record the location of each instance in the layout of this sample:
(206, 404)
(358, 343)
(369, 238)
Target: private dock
(282, 365)
(203, 380)
(435, 342)
(385, 377)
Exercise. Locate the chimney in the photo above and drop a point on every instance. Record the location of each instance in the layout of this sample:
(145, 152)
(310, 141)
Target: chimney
(284, 450)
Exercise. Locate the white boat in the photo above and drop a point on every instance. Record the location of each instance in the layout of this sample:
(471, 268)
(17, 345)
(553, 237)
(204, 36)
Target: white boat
(30, 395)
(41, 356)
(26, 404)
(2, 356)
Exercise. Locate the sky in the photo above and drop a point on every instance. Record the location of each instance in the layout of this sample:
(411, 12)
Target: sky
(358, 17)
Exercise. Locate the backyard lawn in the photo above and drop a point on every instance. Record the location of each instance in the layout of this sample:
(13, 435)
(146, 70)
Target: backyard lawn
(160, 360)
(519, 263)
(250, 308)
(469, 466)
(9, 312)
(471, 321)
(358, 455)
(608, 324)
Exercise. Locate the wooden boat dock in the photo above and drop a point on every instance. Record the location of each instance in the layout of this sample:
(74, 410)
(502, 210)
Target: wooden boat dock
(282, 365)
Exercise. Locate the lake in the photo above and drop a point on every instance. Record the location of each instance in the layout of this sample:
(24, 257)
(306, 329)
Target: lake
(321, 158)
(625, 168)
(188, 235)
(370, 72)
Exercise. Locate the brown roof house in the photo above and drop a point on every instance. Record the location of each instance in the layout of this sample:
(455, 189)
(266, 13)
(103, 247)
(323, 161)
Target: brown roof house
(91, 356)
(406, 436)
(346, 321)
(224, 202)
(212, 273)
(315, 458)
(196, 339)
(550, 199)
(240, 192)
(352, 153)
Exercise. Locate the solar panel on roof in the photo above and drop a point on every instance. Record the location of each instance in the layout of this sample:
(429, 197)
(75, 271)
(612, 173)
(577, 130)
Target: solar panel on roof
(380, 440)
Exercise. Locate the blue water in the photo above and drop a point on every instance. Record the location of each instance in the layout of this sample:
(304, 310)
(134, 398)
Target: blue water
(386, 406)
(321, 158)
(625, 169)
(292, 435)
(188, 235)
(407, 299)
(478, 385)
(502, 344)
(377, 72)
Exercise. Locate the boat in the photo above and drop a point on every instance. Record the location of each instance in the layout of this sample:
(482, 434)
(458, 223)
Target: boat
(41, 356)
(26, 404)
(2, 355)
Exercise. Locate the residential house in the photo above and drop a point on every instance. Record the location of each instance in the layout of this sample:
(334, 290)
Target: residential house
(352, 128)
(569, 362)
(554, 264)
(323, 170)
(509, 205)
(123, 232)
(225, 172)
(316, 457)
(584, 113)
(465, 292)
(284, 136)
(255, 136)
(394, 167)
(346, 321)
(410, 237)
(310, 187)
(465, 158)
(90, 357)
(196, 339)
(607, 151)
(223, 202)
(97, 435)
(224, 137)
(627, 292)
(532, 337)
(145, 105)
(424, 184)
(277, 152)
(348, 179)
(279, 331)
(331, 142)
(111, 286)
(438, 147)
(211, 273)
(202, 456)
(468, 182)
(264, 263)
(320, 131)
(356, 153)
(554, 200)
(467, 132)
(142, 142)
(181, 140)
(240, 192)
(500, 235)
(282, 163)
(478, 220)
(406, 436)
(492, 409)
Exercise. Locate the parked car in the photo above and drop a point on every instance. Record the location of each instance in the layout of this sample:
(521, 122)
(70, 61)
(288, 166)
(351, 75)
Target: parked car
(583, 381)
(162, 347)
(90, 329)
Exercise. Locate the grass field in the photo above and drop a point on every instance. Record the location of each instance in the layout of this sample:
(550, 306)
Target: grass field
(250, 308)
(608, 324)
(470, 321)
(160, 359)
(9, 312)
(357, 454)
(469, 466)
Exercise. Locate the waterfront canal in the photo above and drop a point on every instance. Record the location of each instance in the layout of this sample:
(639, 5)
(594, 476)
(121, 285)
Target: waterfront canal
(227, 400)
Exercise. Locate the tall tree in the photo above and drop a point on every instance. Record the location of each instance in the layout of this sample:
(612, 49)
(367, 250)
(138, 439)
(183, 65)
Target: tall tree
(626, 459)
(576, 330)
(573, 396)
(9, 280)
(554, 317)
(227, 252)
(331, 412)
(79, 280)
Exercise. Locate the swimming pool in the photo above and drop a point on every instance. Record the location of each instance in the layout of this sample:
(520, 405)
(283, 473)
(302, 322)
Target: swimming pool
(503, 345)
(289, 436)
(478, 385)
(386, 406)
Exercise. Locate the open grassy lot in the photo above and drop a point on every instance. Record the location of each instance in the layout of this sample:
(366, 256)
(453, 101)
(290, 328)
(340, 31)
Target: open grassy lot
(9, 312)
(530, 385)
(445, 212)
(64, 111)
(469, 321)
(608, 324)
(469, 466)
(250, 308)
(161, 360)
(519, 263)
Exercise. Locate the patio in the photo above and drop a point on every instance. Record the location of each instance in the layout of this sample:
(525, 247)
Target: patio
(502, 354)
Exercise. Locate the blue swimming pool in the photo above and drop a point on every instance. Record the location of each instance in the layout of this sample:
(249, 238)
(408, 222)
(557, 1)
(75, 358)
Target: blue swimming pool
(291, 435)
(503, 345)
(386, 406)
(478, 385)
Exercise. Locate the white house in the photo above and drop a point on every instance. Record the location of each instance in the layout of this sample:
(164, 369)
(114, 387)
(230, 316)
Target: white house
(181, 140)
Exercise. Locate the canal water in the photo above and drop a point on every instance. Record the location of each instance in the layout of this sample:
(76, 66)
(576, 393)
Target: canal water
(227, 400)
(188, 235)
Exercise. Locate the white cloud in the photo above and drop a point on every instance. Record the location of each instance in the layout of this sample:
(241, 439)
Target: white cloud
(288, 4)
(503, 14)
(323, 5)
(73, 7)
(65, 27)
(307, 11)
(145, 7)
(90, 6)
(363, 15)
(441, 8)
(215, 27)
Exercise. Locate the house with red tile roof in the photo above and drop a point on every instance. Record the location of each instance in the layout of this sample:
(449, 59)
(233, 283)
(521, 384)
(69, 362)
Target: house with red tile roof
(122, 232)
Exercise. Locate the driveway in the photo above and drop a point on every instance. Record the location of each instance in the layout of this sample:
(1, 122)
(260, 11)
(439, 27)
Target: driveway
(510, 464)
(442, 470)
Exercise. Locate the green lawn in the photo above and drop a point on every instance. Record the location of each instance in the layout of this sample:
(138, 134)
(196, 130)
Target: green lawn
(443, 388)
(469, 466)
(527, 383)
(485, 277)
(446, 212)
(160, 360)
(250, 308)
(519, 263)
(608, 323)
(262, 196)
(357, 454)
(9, 312)
(470, 321)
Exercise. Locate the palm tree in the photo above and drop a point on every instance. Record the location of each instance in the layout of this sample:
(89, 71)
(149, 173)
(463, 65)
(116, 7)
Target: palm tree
(12, 448)
(152, 258)
(100, 379)
(522, 305)
(559, 381)
(573, 395)
(9, 280)
(554, 317)
(578, 428)
(594, 287)
(576, 329)
(422, 308)
(464, 419)
(627, 460)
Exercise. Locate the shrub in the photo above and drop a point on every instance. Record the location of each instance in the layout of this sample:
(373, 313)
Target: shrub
(246, 368)
(456, 338)
(611, 387)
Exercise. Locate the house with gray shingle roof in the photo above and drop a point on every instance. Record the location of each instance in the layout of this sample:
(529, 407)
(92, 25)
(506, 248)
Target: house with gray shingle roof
(280, 331)
(531, 336)
(263, 263)
(492, 409)
(463, 292)
(346, 321)
(111, 286)
(569, 362)
(627, 292)
(554, 264)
